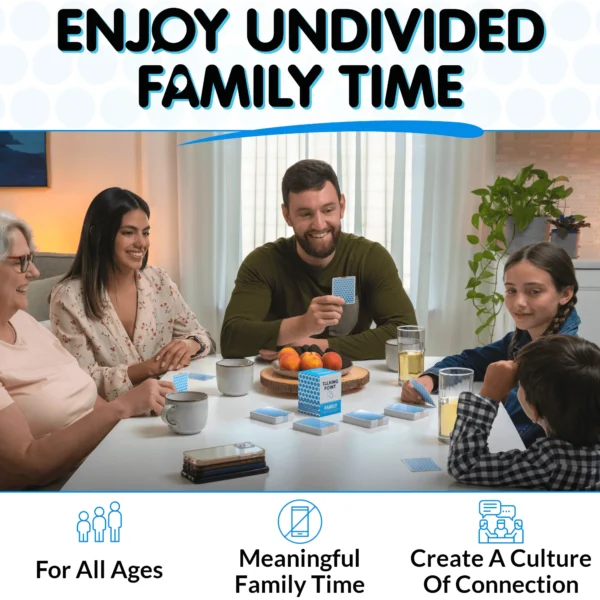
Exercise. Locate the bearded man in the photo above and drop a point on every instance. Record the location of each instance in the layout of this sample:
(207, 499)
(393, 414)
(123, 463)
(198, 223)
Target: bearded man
(283, 290)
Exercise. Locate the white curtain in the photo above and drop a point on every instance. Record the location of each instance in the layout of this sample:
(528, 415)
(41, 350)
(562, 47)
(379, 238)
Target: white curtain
(194, 193)
(444, 171)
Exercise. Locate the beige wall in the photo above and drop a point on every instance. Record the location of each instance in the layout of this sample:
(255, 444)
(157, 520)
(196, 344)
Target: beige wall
(574, 154)
(80, 166)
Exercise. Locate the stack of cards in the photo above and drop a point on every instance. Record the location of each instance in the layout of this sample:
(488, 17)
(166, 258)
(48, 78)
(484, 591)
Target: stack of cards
(271, 415)
(316, 426)
(224, 462)
(406, 411)
(364, 418)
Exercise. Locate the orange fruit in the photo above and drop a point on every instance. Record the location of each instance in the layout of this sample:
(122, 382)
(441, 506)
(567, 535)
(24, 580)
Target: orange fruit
(290, 361)
(333, 361)
(310, 360)
(286, 350)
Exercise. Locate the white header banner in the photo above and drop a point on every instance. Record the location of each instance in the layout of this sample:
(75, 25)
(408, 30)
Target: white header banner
(134, 65)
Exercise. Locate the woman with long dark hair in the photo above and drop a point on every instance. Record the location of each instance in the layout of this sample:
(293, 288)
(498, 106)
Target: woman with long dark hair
(122, 320)
(540, 294)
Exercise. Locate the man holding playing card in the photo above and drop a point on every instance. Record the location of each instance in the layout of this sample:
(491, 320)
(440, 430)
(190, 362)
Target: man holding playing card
(320, 286)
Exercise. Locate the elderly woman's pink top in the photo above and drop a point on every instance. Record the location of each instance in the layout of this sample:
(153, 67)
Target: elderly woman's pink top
(43, 379)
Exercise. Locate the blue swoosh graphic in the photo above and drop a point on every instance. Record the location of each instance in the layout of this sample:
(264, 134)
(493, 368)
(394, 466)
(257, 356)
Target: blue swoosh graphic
(461, 130)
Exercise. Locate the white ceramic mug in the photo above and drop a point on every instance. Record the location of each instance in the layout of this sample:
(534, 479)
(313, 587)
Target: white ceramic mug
(391, 355)
(185, 412)
(235, 376)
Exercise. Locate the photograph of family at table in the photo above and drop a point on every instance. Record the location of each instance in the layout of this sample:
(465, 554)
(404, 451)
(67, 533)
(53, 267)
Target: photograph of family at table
(117, 323)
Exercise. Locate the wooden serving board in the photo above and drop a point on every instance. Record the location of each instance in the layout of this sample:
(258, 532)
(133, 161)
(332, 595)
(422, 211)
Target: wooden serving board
(355, 379)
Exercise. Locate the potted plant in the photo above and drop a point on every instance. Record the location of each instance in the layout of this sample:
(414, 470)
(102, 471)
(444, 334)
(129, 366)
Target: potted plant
(568, 232)
(507, 211)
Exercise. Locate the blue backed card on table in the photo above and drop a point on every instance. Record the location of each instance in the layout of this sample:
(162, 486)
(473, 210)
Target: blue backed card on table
(420, 388)
(420, 464)
(200, 376)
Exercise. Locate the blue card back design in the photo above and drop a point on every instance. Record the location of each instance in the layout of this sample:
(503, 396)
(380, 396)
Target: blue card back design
(422, 391)
(180, 381)
(316, 423)
(420, 464)
(200, 376)
(271, 412)
(407, 408)
(367, 416)
(344, 287)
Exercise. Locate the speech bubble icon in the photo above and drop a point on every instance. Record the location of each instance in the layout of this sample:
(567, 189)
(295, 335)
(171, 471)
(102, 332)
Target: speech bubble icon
(489, 507)
(508, 511)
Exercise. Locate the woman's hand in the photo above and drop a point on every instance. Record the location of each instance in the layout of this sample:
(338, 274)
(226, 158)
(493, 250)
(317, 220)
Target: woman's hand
(144, 398)
(410, 395)
(177, 354)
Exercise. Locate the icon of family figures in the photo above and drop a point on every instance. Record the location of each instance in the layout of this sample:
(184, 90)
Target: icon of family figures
(498, 524)
(100, 523)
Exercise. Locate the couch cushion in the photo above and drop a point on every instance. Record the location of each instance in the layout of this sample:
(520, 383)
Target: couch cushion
(50, 264)
(37, 297)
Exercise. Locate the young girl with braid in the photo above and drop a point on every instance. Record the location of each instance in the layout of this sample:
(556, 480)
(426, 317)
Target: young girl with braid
(540, 294)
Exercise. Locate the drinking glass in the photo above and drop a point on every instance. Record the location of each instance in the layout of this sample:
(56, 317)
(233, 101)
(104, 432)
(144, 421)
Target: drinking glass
(452, 382)
(411, 352)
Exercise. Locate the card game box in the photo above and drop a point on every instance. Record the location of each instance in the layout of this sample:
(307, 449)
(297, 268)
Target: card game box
(320, 392)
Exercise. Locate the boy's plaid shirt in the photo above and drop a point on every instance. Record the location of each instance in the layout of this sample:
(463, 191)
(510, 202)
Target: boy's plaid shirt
(549, 463)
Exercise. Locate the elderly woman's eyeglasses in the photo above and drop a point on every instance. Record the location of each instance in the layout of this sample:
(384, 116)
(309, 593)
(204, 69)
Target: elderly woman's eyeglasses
(24, 261)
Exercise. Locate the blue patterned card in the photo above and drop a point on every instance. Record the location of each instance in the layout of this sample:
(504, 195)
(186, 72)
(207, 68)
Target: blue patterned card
(420, 464)
(344, 287)
(422, 391)
(180, 381)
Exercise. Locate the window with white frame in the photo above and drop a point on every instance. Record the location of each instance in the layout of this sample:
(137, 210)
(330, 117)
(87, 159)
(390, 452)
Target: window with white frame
(366, 166)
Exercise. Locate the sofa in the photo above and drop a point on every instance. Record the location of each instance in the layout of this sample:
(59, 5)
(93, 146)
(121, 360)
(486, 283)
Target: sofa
(52, 268)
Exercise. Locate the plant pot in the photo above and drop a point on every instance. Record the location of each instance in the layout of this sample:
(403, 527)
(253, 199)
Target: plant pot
(537, 231)
(570, 243)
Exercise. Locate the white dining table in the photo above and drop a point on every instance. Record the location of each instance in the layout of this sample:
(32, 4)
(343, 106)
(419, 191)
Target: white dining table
(143, 454)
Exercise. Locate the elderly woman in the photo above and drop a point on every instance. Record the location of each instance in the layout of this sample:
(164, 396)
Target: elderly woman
(51, 416)
(123, 320)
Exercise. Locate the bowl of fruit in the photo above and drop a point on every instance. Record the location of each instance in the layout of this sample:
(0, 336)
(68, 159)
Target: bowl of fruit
(293, 359)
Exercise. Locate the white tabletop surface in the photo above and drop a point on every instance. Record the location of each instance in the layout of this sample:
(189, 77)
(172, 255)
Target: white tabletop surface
(143, 454)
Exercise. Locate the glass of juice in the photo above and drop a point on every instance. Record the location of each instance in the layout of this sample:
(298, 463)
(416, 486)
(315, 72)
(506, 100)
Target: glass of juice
(411, 352)
(452, 382)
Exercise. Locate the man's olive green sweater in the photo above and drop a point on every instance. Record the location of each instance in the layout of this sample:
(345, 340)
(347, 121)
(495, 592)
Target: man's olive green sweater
(274, 283)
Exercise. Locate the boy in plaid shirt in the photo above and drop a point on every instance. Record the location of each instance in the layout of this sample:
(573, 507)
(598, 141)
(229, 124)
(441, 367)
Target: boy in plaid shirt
(559, 379)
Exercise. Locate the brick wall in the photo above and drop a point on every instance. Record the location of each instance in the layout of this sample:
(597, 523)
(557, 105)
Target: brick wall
(574, 154)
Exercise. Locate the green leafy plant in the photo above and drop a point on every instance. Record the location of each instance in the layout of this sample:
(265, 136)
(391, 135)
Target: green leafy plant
(530, 194)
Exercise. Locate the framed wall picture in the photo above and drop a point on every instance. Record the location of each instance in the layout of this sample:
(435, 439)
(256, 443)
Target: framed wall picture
(23, 159)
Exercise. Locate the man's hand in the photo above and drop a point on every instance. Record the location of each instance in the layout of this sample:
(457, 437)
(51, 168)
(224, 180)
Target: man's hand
(500, 379)
(324, 311)
(177, 354)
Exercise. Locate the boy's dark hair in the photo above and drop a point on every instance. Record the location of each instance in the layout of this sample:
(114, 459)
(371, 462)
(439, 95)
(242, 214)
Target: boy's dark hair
(556, 262)
(308, 174)
(560, 375)
(95, 257)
